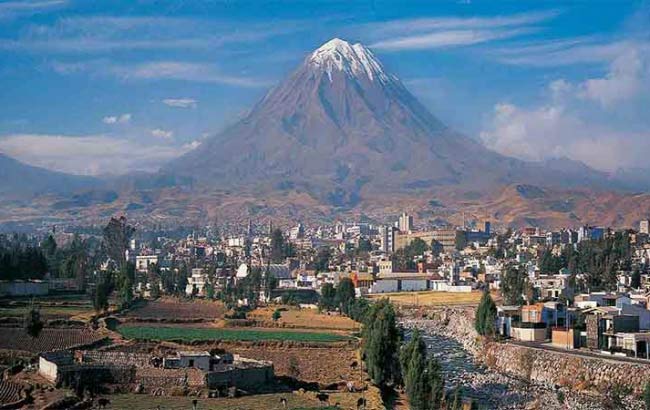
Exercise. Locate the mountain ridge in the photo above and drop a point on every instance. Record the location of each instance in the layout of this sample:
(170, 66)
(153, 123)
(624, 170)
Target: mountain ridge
(340, 124)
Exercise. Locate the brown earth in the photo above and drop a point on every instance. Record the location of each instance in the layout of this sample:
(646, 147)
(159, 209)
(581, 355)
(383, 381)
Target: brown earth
(169, 308)
(303, 319)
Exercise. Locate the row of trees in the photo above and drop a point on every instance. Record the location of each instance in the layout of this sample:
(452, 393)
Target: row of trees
(422, 375)
(20, 258)
(392, 363)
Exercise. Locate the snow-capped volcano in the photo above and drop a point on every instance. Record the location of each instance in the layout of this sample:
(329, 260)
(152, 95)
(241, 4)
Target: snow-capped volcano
(355, 60)
(341, 123)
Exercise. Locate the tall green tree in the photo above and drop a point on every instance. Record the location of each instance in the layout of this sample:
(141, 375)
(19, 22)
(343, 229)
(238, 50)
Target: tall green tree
(32, 321)
(486, 314)
(422, 377)
(381, 344)
(436, 384)
(100, 295)
(412, 364)
(513, 286)
(345, 295)
(116, 236)
(635, 280)
(327, 297)
(278, 246)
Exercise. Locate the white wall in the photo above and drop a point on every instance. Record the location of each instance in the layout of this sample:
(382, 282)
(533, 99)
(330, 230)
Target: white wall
(47, 369)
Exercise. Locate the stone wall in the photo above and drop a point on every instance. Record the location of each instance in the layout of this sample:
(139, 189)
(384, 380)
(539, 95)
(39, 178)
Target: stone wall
(547, 367)
(564, 369)
(246, 378)
(151, 378)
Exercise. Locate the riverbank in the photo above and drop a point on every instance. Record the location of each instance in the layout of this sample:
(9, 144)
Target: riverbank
(505, 376)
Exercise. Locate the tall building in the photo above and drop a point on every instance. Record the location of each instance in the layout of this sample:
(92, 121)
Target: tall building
(644, 226)
(387, 238)
(405, 223)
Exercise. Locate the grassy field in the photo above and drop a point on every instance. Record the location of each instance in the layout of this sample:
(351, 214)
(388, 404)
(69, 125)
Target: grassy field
(207, 334)
(305, 318)
(432, 298)
(295, 401)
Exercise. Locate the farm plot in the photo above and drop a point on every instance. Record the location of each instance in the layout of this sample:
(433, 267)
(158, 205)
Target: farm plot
(295, 401)
(207, 334)
(49, 339)
(432, 298)
(304, 319)
(323, 365)
(50, 308)
(9, 392)
(169, 309)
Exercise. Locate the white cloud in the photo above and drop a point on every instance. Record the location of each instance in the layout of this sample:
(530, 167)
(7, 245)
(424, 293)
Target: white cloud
(198, 72)
(185, 71)
(444, 23)
(428, 33)
(160, 133)
(13, 9)
(449, 38)
(88, 155)
(624, 80)
(180, 102)
(117, 119)
(553, 132)
(105, 34)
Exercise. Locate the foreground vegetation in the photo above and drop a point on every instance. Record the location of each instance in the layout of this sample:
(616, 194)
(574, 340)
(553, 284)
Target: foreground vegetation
(207, 334)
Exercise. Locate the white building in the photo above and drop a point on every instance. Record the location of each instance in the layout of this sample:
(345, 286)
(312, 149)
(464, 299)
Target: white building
(142, 262)
(198, 280)
(405, 223)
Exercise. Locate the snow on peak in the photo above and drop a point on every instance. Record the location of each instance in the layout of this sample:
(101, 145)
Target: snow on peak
(355, 60)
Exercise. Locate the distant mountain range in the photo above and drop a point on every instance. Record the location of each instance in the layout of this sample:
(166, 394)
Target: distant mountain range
(339, 134)
(17, 179)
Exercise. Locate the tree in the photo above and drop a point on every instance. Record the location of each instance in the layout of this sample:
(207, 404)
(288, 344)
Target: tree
(181, 280)
(513, 286)
(277, 315)
(116, 237)
(208, 290)
(327, 297)
(436, 384)
(345, 295)
(32, 322)
(364, 245)
(100, 297)
(411, 359)
(486, 314)
(422, 377)
(646, 395)
(381, 344)
(322, 262)
(635, 281)
(278, 246)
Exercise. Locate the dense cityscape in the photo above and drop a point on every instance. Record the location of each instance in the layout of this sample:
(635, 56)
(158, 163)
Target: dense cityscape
(582, 292)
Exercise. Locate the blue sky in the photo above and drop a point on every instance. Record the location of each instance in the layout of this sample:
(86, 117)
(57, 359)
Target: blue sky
(97, 87)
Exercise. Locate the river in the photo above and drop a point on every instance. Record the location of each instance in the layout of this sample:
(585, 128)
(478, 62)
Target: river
(496, 391)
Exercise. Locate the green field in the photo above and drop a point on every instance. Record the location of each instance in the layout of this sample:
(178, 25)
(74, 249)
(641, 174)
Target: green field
(207, 334)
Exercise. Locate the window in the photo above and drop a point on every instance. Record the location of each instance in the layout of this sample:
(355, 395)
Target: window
(191, 362)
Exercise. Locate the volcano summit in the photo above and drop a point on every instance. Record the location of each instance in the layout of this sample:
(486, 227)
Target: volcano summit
(340, 125)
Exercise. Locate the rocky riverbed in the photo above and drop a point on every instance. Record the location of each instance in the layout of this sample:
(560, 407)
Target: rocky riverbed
(495, 390)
